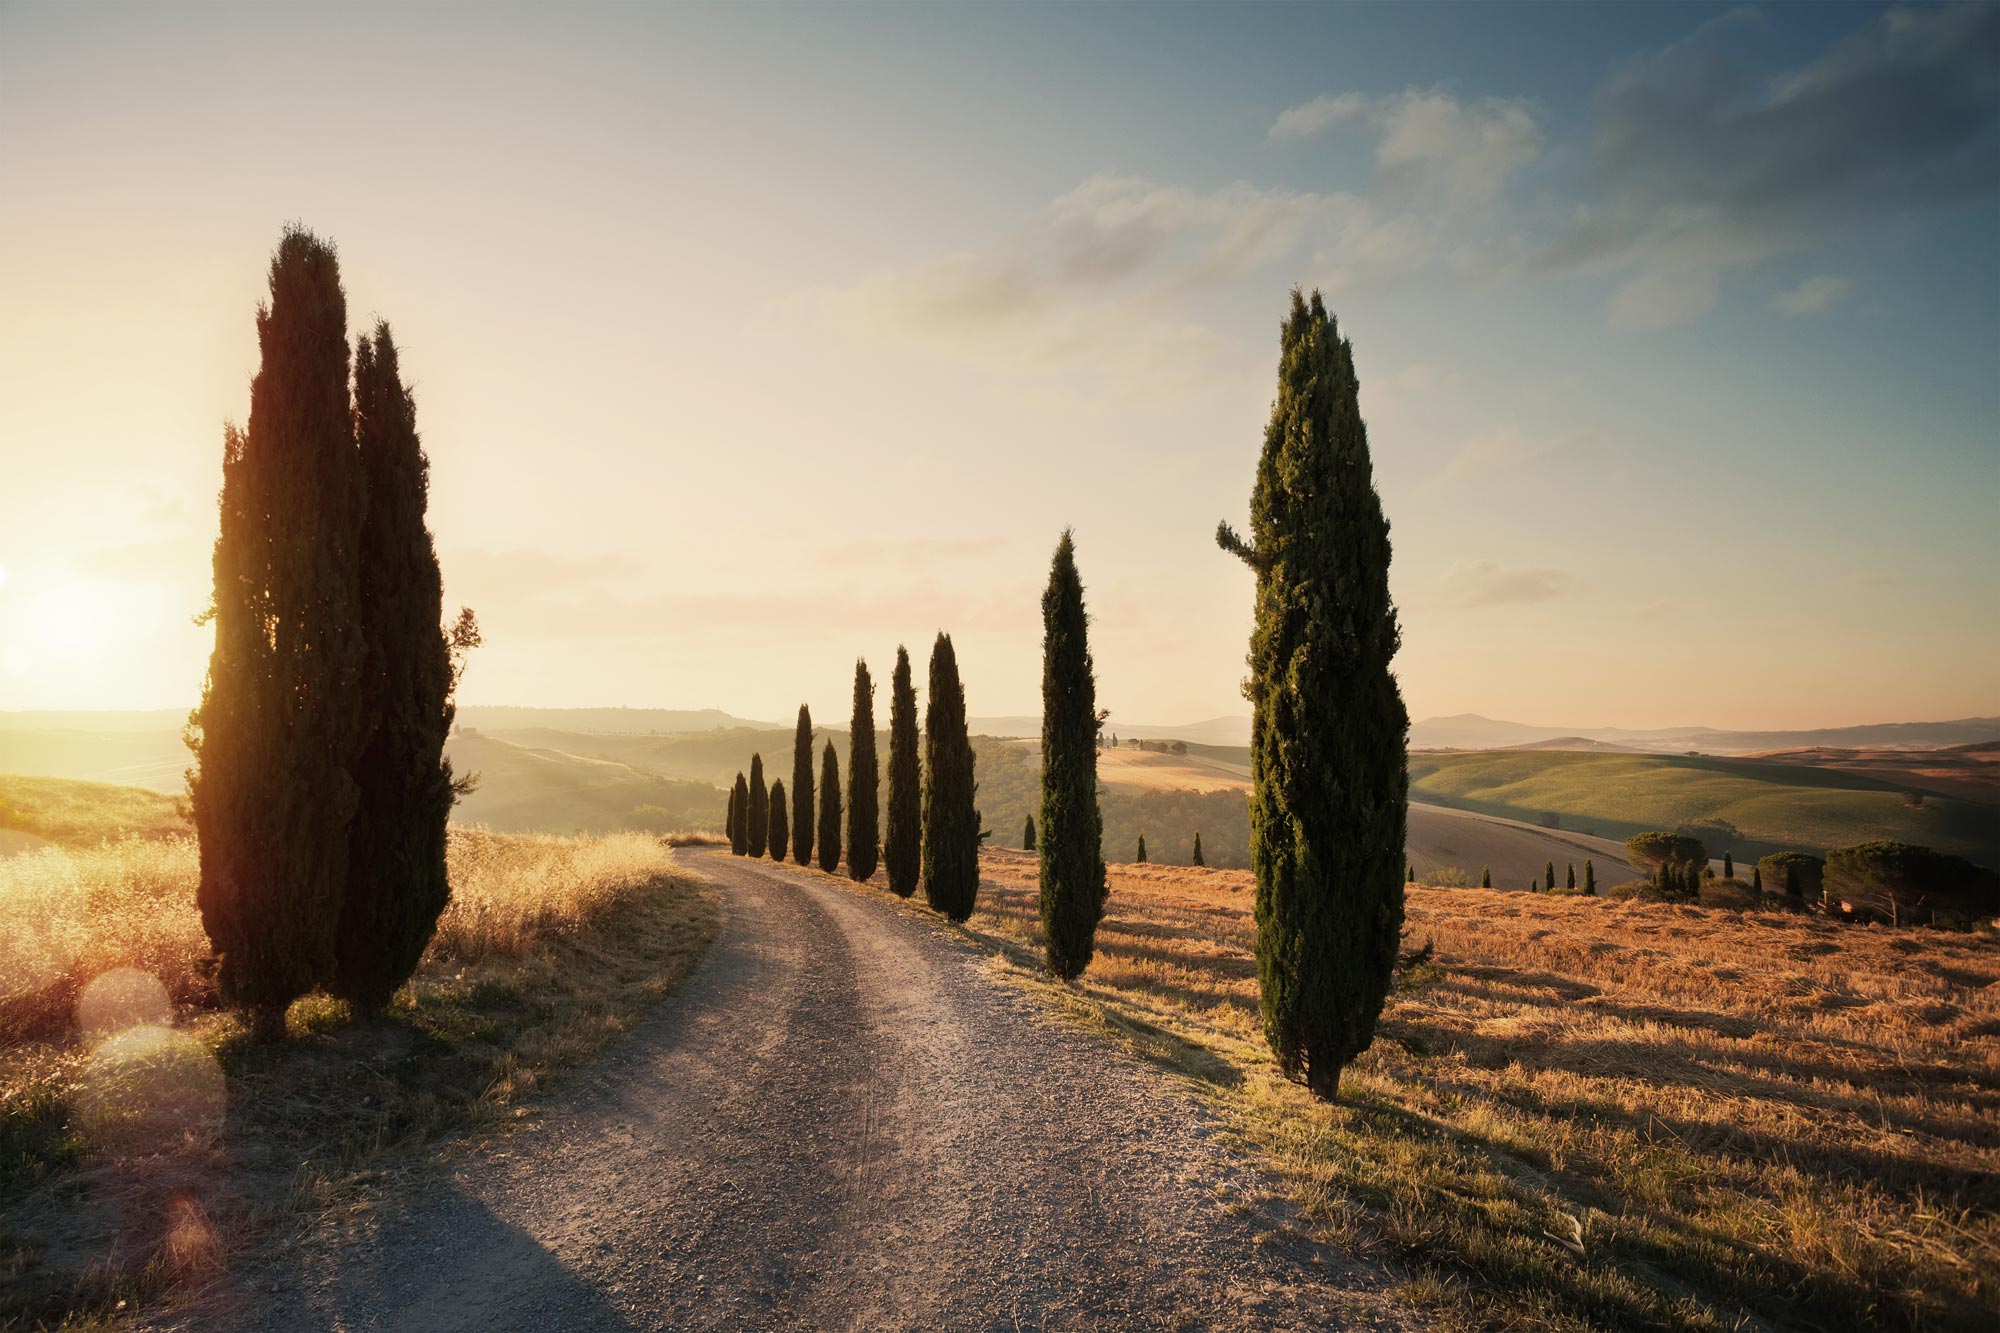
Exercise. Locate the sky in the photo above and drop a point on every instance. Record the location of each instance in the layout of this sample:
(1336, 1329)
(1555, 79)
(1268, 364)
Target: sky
(750, 340)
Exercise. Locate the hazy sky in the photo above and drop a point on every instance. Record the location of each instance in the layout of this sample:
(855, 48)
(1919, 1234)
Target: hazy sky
(747, 340)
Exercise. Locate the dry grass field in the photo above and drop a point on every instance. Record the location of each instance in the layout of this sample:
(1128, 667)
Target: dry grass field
(1592, 1114)
(144, 1140)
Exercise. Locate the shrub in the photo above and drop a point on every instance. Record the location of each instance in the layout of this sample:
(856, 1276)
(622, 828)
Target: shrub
(1653, 850)
(1906, 884)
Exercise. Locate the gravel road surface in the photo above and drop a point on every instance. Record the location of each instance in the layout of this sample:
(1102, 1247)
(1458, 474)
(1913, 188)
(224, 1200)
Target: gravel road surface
(843, 1121)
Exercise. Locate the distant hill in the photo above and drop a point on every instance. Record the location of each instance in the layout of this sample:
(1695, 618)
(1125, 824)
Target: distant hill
(1583, 744)
(1215, 731)
(1470, 731)
(626, 721)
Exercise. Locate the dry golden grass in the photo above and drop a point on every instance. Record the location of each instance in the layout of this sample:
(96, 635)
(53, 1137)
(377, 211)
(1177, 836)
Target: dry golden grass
(1601, 1114)
(143, 1138)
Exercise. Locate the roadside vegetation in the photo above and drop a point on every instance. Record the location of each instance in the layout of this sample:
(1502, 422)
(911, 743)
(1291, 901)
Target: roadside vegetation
(146, 1140)
(1581, 1113)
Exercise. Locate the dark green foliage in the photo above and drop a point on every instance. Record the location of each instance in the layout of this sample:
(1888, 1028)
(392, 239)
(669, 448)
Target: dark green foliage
(951, 823)
(1570, 881)
(864, 780)
(802, 789)
(759, 824)
(1328, 814)
(1654, 850)
(1728, 866)
(396, 882)
(1486, 877)
(829, 810)
(1802, 874)
(1757, 878)
(280, 723)
(739, 828)
(1549, 876)
(1028, 835)
(1589, 879)
(1679, 880)
(1071, 852)
(1905, 884)
(780, 831)
(1409, 873)
(902, 839)
(729, 823)
(1197, 850)
(1139, 853)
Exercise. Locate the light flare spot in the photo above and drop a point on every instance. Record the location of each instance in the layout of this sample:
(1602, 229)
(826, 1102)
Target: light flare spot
(122, 998)
(150, 1089)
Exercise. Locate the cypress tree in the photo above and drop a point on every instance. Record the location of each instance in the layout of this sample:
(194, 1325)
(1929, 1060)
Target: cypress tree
(951, 824)
(1728, 865)
(280, 724)
(1486, 877)
(1589, 879)
(739, 829)
(729, 821)
(1534, 886)
(1139, 855)
(1549, 876)
(396, 880)
(864, 778)
(802, 789)
(902, 838)
(1757, 877)
(1028, 835)
(780, 833)
(829, 809)
(1569, 881)
(758, 827)
(1071, 852)
(1328, 814)
(1409, 873)
(1197, 849)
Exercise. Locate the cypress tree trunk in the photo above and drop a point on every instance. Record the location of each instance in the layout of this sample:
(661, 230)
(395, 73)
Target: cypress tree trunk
(829, 810)
(1072, 829)
(902, 840)
(739, 830)
(951, 824)
(780, 832)
(1028, 835)
(1328, 814)
(758, 827)
(280, 725)
(1197, 849)
(802, 789)
(396, 881)
(864, 780)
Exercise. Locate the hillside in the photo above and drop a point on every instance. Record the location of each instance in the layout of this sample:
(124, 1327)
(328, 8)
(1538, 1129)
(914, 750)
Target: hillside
(1772, 806)
(36, 810)
(1470, 731)
(525, 789)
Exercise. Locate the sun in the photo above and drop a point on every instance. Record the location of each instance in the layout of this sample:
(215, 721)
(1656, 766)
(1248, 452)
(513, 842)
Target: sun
(52, 624)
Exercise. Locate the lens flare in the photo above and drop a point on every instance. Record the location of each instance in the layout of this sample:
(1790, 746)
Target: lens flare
(122, 998)
(150, 1089)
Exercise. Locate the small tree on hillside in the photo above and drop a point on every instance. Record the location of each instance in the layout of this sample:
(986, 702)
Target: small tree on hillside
(1728, 865)
(1757, 878)
(778, 843)
(1028, 835)
(739, 827)
(1569, 881)
(1072, 855)
(1549, 876)
(902, 839)
(1197, 849)
(802, 789)
(1486, 877)
(280, 724)
(1139, 856)
(951, 822)
(864, 779)
(758, 827)
(396, 879)
(1589, 880)
(829, 810)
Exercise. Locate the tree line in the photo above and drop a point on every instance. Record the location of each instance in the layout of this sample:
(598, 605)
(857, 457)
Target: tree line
(320, 791)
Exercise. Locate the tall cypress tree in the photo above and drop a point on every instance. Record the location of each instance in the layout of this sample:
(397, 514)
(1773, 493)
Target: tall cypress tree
(1549, 876)
(802, 789)
(1486, 877)
(739, 829)
(1028, 835)
(1589, 880)
(729, 820)
(829, 809)
(1072, 829)
(396, 881)
(780, 833)
(280, 723)
(902, 839)
(1197, 849)
(1328, 814)
(864, 779)
(951, 824)
(758, 826)
(1139, 856)
(1569, 881)
(1728, 866)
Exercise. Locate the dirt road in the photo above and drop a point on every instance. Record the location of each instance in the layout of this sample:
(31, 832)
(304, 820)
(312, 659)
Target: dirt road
(844, 1121)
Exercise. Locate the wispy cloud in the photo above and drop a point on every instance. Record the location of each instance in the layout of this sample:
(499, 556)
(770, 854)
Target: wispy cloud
(1814, 296)
(1464, 149)
(1483, 583)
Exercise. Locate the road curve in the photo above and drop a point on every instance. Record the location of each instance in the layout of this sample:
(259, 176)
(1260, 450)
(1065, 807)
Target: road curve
(843, 1121)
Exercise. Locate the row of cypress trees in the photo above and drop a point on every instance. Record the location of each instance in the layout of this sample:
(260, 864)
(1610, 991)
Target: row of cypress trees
(933, 829)
(320, 791)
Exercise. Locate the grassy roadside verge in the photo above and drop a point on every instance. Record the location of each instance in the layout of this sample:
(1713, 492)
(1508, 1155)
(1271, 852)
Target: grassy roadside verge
(1584, 1114)
(141, 1156)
